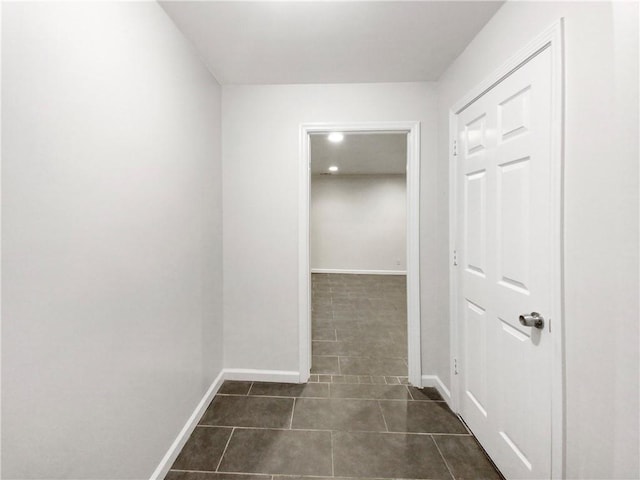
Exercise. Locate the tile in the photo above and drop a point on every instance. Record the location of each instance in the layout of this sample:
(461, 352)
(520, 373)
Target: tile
(325, 348)
(387, 455)
(337, 414)
(372, 366)
(426, 393)
(372, 391)
(420, 417)
(290, 389)
(323, 322)
(314, 378)
(232, 387)
(203, 449)
(285, 452)
(465, 458)
(325, 378)
(392, 380)
(176, 475)
(324, 334)
(238, 411)
(326, 365)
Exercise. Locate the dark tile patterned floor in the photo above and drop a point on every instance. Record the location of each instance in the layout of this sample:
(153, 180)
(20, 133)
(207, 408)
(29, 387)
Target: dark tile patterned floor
(357, 418)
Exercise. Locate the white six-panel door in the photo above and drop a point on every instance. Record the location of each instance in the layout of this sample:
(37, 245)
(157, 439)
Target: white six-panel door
(504, 219)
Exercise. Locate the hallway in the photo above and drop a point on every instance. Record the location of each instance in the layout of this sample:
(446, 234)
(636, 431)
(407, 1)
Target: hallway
(357, 417)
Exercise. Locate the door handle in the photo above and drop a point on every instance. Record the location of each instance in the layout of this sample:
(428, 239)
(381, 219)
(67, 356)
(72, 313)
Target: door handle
(533, 320)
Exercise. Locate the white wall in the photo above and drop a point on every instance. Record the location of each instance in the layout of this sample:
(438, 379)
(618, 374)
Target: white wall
(358, 222)
(601, 216)
(111, 261)
(261, 162)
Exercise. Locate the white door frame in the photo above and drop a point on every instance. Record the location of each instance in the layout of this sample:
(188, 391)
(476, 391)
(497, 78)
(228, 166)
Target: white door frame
(552, 39)
(412, 129)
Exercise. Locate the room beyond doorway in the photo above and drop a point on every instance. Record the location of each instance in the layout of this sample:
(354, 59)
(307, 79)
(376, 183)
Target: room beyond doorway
(361, 304)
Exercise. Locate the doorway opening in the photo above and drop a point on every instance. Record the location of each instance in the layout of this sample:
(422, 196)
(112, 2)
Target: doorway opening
(360, 283)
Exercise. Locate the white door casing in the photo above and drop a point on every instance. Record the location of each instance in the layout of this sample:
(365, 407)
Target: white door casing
(506, 179)
(412, 129)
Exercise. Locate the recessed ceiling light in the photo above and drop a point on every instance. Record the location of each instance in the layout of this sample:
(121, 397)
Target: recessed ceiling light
(333, 168)
(335, 137)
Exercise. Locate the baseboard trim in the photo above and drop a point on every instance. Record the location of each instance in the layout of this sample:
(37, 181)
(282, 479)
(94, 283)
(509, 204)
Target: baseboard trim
(434, 381)
(258, 375)
(358, 272)
(174, 450)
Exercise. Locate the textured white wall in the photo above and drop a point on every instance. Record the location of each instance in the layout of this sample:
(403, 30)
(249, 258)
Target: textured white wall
(358, 222)
(601, 216)
(261, 162)
(111, 254)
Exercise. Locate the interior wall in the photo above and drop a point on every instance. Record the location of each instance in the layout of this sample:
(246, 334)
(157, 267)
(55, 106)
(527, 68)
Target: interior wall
(261, 162)
(111, 248)
(601, 322)
(358, 223)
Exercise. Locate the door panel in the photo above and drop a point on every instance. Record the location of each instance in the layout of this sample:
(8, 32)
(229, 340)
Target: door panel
(504, 224)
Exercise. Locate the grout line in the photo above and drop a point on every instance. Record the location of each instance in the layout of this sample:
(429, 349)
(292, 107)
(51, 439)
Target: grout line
(382, 413)
(293, 409)
(282, 429)
(250, 388)
(333, 472)
(225, 449)
(410, 394)
(190, 471)
(443, 459)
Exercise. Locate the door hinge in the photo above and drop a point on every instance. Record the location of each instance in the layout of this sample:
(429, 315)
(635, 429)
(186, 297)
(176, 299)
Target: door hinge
(455, 258)
(455, 366)
(455, 148)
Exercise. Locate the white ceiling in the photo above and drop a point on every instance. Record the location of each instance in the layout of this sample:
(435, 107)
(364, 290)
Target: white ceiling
(276, 42)
(360, 153)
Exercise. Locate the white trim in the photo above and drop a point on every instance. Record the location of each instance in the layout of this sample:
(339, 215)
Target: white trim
(434, 381)
(358, 272)
(259, 375)
(304, 266)
(174, 450)
(246, 374)
(553, 39)
(412, 129)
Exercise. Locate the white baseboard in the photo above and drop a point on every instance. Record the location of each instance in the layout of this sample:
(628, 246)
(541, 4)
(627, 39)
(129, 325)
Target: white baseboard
(246, 374)
(257, 375)
(434, 381)
(174, 450)
(358, 272)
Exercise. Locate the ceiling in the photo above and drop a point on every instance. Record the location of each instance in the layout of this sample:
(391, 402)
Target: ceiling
(360, 153)
(276, 42)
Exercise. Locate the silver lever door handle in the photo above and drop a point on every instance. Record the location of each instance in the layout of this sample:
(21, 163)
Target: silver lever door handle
(533, 320)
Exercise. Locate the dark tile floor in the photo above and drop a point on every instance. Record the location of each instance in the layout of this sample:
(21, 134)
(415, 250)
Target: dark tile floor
(357, 418)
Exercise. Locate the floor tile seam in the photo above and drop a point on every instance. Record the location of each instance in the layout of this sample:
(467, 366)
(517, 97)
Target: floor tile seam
(386, 427)
(191, 471)
(293, 409)
(333, 470)
(225, 449)
(271, 396)
(443, 459)
(226, 473)
(284, 429)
